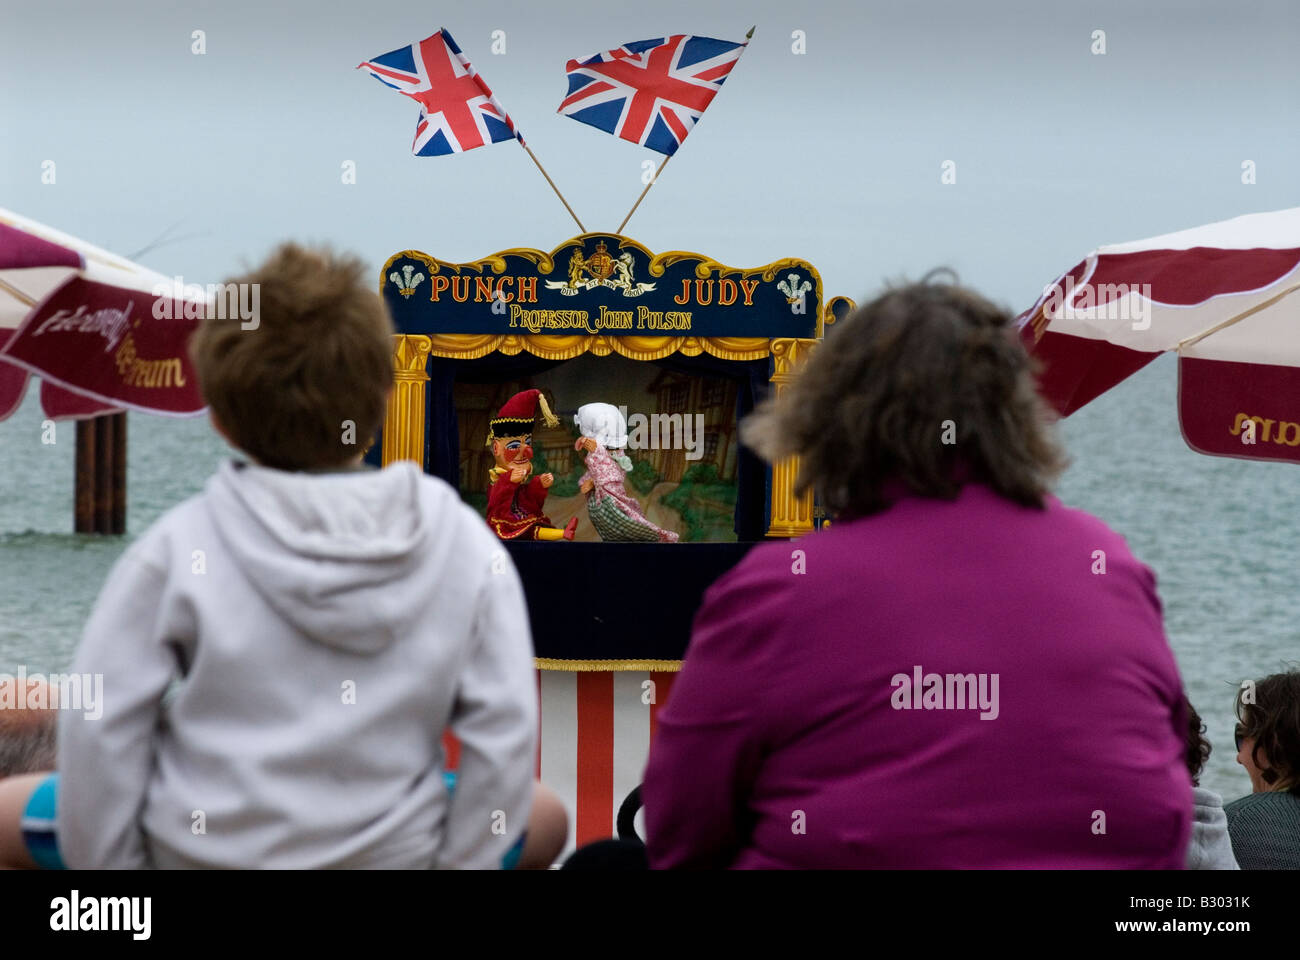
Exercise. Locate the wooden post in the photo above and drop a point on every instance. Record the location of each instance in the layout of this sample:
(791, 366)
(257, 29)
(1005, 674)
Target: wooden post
(117, 478)
(103, 473)
(100, 494)
(404, 421)
(792, 516)
(84, 509)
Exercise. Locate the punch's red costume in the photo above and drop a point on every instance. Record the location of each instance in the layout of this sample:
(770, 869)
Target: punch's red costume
(516, 497)
(515, 509)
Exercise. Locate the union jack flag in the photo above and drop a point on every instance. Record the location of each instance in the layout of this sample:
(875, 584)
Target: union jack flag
(457, 109)
(650, 92)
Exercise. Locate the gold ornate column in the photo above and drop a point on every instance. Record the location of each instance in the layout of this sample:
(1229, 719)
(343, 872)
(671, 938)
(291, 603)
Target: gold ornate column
(792, 516)
(404, 422)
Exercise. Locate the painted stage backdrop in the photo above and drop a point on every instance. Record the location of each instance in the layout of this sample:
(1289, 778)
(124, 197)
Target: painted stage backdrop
(682, 440)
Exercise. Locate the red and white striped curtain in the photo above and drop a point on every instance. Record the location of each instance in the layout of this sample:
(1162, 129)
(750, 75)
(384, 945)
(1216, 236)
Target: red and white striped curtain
(596, 727)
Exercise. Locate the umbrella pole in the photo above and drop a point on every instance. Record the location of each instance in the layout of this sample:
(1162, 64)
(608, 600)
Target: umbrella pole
(1238, 318)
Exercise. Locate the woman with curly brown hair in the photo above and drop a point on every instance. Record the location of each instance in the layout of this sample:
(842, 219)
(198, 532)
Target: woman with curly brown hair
(1265, 826)
(962, 672)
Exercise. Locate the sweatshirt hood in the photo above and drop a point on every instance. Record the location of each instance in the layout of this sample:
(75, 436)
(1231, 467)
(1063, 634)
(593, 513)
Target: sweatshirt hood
(335, 554)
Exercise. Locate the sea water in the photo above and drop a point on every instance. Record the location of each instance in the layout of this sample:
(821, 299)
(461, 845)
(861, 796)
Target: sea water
(1220, 534)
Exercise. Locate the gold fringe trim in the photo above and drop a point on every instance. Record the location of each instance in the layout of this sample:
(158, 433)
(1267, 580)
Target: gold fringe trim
(608, 666)
(463, 346)
(472, 346)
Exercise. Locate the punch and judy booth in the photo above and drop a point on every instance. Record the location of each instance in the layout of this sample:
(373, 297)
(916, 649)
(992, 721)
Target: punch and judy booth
(682, 346)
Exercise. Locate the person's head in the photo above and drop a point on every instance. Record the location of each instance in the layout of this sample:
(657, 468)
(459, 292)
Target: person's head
(1268, 732)
(927, 385)
(27, 727)
(1197, 748)
(306, 387)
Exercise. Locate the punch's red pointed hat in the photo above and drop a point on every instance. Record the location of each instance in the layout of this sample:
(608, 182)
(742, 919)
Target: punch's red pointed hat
(518, 415)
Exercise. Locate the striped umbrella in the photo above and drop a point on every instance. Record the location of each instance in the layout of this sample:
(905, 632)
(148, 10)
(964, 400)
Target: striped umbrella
(86, 321)
(1219, 295)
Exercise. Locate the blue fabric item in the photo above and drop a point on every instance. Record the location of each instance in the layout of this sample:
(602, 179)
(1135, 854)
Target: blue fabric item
(511, 859)
(38, 825)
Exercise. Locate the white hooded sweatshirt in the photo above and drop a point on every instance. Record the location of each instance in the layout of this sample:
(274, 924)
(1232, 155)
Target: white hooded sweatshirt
(322, 631)
(1210, 847)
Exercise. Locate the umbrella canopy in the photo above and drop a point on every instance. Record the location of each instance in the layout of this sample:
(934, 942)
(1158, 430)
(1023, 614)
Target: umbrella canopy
(1221, 296)
(88, 323)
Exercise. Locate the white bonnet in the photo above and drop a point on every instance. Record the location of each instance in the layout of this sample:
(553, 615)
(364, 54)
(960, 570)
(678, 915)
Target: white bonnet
(604, 423)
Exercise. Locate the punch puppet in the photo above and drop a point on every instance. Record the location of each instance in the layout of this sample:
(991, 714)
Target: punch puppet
(517, 497)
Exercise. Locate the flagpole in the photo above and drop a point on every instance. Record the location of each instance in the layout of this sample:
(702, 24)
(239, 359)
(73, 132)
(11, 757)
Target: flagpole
(748, 36)
(619, 231)
(553, 186)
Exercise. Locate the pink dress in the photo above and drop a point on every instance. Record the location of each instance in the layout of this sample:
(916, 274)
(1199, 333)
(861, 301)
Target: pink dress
(614, 513)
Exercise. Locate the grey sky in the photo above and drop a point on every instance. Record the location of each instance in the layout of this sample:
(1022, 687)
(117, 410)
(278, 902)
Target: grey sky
(834, 156)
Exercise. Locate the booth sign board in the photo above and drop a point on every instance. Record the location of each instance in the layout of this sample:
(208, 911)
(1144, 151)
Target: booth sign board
(601, 284)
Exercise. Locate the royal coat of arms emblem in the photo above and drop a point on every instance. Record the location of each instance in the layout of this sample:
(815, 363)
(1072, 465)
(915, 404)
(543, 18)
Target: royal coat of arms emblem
(600, 264)
(586, 272)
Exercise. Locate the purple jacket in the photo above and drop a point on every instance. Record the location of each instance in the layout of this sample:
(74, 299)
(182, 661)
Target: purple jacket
(946, 684)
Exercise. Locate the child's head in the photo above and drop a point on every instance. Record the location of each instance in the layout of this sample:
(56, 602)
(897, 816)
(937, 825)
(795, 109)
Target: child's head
(305, 386)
